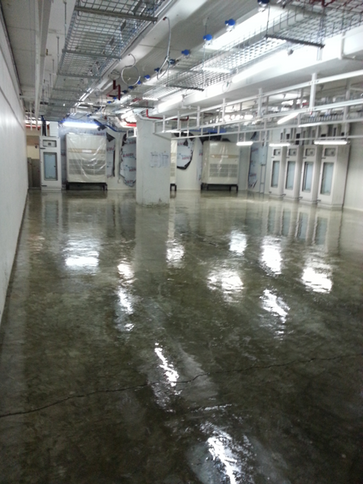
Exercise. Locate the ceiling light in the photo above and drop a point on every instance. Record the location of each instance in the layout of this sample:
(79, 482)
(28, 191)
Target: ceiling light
(150, 98)
(244, 30)
(79, 124)
(310, 124)
(279, 145)
(248, 117)
(244, 143)
(287, 118)
(330, 142)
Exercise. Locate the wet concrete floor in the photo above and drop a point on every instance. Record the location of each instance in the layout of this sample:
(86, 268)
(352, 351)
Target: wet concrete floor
(218, 340)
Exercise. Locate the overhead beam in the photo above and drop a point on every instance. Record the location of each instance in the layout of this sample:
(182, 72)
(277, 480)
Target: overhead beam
(90, 54)
(108, 13)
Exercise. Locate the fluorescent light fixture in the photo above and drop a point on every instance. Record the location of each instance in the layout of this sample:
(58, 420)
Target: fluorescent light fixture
(170, 102)
(287, 118)
(244, 30)
(244, 143)
(79, 124)
(279, 145)
(310, 124)
(332, 142)
(145, 98)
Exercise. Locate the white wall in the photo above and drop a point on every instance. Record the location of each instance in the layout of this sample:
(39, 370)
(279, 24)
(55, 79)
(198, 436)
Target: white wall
(354, 186)
(152, 179)
(189, 179)
(13, 165)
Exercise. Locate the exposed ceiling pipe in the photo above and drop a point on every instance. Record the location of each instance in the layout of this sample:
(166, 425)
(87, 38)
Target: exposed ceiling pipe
(42, 23)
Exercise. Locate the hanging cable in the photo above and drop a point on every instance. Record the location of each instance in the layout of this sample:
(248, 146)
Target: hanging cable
(133, 66)
(167, 61)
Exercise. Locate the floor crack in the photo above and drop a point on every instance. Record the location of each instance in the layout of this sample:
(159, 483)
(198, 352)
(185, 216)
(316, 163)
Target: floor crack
(183, 382)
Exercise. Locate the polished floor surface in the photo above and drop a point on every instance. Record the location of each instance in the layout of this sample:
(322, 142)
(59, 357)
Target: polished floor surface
(218, 340)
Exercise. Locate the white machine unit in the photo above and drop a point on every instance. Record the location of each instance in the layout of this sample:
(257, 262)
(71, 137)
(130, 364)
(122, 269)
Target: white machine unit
(293, 172)
(86, 158)
(310, 173)
(333, 174)
(50, 163)
(278, 163)
(220, 164)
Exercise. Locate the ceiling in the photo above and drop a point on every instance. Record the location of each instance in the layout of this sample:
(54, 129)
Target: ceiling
(72, 55)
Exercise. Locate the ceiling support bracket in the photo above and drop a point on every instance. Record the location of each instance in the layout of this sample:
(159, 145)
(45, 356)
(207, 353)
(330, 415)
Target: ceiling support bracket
(295, 41)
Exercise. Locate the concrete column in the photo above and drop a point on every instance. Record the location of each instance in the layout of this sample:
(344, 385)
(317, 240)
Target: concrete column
(152, 166)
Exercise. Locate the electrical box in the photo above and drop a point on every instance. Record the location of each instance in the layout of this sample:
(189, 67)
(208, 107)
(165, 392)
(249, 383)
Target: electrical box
(293, 172)
(278, 164)
(310, 173)
(220, 163)
(333, 174)
(86, 158)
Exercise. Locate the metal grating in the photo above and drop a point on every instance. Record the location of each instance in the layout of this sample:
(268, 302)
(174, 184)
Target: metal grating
(303, 20)
(100, 32)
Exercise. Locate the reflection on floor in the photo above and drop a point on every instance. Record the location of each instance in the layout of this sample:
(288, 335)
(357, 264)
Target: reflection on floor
(217, 340)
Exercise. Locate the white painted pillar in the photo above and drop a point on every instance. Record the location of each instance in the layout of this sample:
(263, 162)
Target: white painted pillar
(152, 166)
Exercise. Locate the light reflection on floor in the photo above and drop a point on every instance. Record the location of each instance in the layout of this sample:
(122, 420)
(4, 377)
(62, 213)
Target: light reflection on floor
(271, 255)
(217, 340)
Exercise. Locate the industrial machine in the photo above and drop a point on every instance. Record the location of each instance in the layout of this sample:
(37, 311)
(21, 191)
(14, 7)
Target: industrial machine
(333, 174)
(86, 158)
(310, 173)
(50, 163)
(292, 174)
(220, 164)
(278, 163)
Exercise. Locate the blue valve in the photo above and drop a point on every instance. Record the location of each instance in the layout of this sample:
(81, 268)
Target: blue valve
(208, 38)
(230, 24)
